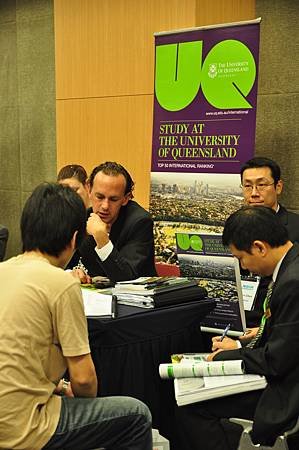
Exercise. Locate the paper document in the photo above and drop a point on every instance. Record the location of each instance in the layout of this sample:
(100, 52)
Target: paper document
(192, 390)
(249, 290)
(95, 303)
(201, 368)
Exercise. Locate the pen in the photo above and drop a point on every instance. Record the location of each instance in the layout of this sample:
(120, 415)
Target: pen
(225, 332)
(114, 307)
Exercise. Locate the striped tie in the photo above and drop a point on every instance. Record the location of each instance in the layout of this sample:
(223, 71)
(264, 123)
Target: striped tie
(259, 333)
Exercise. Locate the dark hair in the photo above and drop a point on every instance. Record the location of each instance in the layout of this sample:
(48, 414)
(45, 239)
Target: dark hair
(72, 171)
(251, 223)
(260, 161)
(50, 217)
(114, 169)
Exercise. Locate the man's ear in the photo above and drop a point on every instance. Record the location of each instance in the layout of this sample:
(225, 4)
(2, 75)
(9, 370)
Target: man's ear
(260, 247)
(279, 187)
(126, 199)
(73, 242)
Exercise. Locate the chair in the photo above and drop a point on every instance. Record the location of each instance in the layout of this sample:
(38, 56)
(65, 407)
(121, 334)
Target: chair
(247, 444)
(166, 270)
(3, 241)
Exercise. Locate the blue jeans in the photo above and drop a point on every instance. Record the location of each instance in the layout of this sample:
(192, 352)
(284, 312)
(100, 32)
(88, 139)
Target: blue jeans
(118, 423)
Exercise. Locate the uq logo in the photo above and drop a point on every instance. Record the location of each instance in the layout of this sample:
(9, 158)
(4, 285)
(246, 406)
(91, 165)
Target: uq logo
(189, 242)
(226, 76)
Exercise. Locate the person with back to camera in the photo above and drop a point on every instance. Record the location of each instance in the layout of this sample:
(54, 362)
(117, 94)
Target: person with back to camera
(44, 332)
(75, 176)
(258, 239)
(120, 241)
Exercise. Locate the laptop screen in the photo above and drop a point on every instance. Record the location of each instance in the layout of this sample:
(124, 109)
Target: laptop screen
(203, 257)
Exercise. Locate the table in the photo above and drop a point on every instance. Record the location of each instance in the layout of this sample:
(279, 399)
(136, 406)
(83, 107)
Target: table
(127, 352)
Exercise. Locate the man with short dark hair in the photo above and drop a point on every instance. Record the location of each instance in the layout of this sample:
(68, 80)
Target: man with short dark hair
(120, 244)
(262, 186)
(44, 332)
(260, 242)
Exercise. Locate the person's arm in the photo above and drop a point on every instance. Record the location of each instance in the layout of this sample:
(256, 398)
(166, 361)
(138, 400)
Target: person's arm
(81, 275)
(136, 256)
(70, 332)
(276, 357)
(82, 375)
(133, 259)
(231, 344)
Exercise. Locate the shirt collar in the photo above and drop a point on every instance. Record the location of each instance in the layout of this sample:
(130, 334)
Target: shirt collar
(277, 267)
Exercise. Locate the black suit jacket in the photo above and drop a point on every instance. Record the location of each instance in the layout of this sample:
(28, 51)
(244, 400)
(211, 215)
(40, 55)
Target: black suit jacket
(291, 222)
(133, 252)
(277, 356)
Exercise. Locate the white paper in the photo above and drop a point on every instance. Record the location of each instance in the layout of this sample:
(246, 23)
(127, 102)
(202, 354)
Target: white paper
(192, 390)
(95, 303)
(201, 368)
(249, 288)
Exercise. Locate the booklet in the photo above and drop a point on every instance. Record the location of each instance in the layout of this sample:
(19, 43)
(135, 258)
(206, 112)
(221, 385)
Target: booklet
(197, 380)
(203, 257)
(152, 285)
(191, 368)
(192, 390)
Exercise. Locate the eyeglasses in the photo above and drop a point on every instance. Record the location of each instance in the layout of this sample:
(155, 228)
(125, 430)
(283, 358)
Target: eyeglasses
(260, 187)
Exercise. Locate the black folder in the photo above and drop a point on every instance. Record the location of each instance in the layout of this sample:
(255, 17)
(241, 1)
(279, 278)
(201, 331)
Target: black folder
(183, 295)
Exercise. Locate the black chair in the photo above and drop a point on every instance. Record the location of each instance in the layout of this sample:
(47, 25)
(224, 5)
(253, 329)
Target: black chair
(3, 241)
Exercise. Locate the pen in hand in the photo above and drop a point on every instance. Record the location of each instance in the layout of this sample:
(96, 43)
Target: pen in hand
(225, 331)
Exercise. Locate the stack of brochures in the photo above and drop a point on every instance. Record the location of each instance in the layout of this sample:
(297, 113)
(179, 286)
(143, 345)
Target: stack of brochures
(150, 292)
(196, 379)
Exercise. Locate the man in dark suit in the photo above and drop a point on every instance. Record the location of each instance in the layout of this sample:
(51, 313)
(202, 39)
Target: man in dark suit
(120, 243)
(262, 185)
(260, 242)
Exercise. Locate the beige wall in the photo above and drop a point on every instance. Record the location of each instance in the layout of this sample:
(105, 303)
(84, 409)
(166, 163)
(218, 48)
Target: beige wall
(277, 133)
(27, 107)
(105, 75)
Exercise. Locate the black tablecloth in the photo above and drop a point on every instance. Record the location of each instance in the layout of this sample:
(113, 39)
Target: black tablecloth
(127, 352)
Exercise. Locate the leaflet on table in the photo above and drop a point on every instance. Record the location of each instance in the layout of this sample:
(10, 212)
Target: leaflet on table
(95, 303)
(201, 368)
(203, 257)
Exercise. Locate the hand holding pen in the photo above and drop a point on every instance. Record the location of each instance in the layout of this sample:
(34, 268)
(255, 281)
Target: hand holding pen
(223, 342)
(225, 331)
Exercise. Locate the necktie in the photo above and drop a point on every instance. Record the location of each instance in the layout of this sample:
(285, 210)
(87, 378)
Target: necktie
(259, 333)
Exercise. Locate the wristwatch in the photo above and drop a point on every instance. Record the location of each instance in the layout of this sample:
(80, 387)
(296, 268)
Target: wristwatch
(64, 386)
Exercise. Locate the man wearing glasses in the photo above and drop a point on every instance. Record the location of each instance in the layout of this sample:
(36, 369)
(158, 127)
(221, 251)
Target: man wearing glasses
(261, 185)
